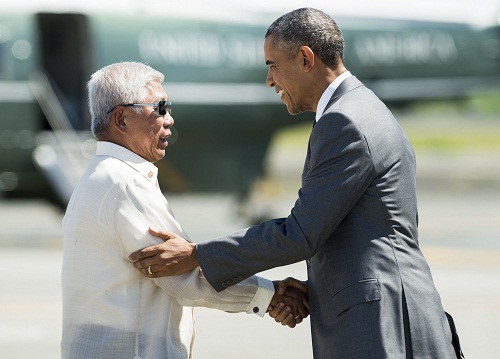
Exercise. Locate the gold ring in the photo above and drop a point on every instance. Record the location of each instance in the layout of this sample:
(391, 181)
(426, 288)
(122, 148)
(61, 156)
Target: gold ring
(297, 316)
(149, 270)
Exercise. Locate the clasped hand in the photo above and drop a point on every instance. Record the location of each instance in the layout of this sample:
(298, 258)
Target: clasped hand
(290, 304)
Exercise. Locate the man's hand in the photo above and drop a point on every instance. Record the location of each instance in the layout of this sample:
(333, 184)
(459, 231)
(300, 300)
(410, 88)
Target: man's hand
(173, 257)
(290, 304)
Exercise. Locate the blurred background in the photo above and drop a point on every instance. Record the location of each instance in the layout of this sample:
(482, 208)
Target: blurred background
(237, 155)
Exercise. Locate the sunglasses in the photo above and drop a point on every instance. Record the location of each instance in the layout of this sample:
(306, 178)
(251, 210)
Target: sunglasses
(162, 107)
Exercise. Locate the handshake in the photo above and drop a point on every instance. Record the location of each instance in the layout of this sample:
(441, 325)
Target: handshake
(289, 305)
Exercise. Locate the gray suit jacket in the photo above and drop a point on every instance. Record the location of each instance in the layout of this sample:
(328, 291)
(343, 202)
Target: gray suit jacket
(355, 222)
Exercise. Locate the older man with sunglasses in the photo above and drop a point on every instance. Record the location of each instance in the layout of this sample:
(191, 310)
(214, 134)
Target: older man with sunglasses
(109, 309)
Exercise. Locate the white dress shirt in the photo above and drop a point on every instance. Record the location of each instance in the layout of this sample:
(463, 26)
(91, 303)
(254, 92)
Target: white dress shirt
(110, 310)
(327, 95)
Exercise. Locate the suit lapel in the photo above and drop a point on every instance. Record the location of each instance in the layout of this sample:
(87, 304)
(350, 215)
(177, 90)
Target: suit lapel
(347, 85)
(308, 156)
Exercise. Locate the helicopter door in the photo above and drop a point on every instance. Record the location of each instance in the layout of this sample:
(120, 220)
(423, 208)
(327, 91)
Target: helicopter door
(65, 56)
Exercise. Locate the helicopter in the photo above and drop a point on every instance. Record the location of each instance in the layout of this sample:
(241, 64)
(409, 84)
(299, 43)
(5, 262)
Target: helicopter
(214, 67)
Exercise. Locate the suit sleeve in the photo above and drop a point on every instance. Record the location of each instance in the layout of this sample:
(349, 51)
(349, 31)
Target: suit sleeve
(338, 171)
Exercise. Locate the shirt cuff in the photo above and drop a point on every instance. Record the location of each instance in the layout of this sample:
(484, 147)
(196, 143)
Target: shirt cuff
(262, 297)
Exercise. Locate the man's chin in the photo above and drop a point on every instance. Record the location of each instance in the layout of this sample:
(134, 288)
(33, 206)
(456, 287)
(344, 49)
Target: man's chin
(159, 155)
(293, 111)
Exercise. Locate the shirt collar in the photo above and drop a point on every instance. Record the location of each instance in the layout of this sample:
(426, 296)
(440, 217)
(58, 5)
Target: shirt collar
(146, 168)
(327, 95)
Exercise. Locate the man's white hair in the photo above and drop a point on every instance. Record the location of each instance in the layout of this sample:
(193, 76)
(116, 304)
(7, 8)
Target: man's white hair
(117, 84)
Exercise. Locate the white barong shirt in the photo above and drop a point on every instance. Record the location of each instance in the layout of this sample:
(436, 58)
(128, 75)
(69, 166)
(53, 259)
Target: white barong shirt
(110, 310)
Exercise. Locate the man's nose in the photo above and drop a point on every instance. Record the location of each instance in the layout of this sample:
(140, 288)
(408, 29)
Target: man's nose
(269, 79)
(169, 120)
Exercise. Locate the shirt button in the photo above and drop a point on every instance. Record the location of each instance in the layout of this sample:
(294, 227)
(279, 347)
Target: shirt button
(255, 309)
(150, 174)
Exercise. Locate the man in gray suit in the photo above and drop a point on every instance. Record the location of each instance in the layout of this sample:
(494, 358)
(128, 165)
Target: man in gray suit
(355, 220)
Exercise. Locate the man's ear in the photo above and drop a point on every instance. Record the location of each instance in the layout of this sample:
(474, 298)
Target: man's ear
(308, 58)
(118, 120)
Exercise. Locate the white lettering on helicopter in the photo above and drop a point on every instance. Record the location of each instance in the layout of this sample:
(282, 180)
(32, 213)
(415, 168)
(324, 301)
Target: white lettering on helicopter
(405, 48)
(201, 49)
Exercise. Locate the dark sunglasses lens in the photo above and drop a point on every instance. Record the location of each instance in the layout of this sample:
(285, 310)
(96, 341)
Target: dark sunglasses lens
(161, 108)
(164, 107)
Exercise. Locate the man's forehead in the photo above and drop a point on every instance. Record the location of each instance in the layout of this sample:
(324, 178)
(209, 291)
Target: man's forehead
(156, 91)
(273, 56)
(269, 51)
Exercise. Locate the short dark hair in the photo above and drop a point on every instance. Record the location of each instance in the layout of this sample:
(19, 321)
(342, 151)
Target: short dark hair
(308, 27)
